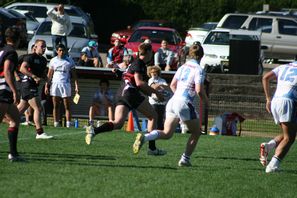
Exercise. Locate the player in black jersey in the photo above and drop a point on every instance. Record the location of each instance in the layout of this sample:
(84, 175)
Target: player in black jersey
(8, 93)
(33, 68)
(131, 95)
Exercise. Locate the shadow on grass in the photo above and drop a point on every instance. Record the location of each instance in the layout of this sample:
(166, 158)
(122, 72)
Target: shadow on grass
(81, 160)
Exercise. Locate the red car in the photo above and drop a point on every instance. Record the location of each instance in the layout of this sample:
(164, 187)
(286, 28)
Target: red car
(124, 35)
(156, 35)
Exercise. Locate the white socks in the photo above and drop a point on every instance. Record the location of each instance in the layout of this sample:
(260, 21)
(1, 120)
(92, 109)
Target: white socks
(153, 135)
(271, 144)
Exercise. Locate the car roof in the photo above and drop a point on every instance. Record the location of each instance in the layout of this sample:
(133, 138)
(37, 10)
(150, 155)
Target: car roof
(35, 3)
(155, 28)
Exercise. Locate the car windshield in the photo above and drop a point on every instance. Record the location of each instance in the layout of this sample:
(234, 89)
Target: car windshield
(78, 30)
(208, 26)
(217, 38)
(156, 36)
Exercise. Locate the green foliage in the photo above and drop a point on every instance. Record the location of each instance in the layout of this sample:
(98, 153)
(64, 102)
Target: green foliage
(67, 167)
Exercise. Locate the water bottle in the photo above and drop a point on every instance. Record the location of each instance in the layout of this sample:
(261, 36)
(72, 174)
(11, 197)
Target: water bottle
(76, 124)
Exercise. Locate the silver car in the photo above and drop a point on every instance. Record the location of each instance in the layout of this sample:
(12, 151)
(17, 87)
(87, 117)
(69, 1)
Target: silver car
(76, 40)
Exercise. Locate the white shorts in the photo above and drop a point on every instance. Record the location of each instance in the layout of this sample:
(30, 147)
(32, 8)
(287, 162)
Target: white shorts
(62, 90)
(283, 110)
(182, 109)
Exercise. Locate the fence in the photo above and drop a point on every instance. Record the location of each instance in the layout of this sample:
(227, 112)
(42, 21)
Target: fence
(227, 93)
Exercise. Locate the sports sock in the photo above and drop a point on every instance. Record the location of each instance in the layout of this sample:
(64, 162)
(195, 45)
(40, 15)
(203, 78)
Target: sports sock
(68, 123)
(13, 137)
(107, 126)
(185, 157)
(275, 161)
(153, 135)
(39, 131)
(271, 144)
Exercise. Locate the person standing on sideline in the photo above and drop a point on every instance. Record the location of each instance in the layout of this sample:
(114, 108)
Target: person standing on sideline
(33, 68)
(60, 68)
(9, 97)
(131, 96)
(283, 108)
(186, 84)
(102, 102)
(61, 26)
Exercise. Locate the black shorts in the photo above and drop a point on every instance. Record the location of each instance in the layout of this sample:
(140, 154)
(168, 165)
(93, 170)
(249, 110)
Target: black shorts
(28, 91)
(131, 98)
(6, 97)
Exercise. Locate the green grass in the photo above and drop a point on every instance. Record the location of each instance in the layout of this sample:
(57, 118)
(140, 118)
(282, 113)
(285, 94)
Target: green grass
(67, 167)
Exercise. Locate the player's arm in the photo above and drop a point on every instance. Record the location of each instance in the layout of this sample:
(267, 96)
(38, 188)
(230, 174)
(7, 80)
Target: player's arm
(9, 78)
(48, 83)
(266, 86)
(26, 72)
(145, 88)
(74, 76)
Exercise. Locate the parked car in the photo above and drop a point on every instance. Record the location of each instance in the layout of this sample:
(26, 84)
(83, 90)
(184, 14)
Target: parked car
(216, 47)
(124, 34)
(156, 35)
(279, 33)
(31, 23)
(8, 19)
(77, 15)
(198, 33)
(76, 40)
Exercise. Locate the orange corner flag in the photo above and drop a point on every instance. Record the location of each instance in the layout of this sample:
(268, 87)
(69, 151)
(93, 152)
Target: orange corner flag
(130, 124)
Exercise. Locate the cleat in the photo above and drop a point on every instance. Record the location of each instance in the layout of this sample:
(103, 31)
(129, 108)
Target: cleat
(263, 154)
(272, 169)
(15, 158)
(44, 136)
(184, 163)
(89, 134)
(156, 152)
(139, 140)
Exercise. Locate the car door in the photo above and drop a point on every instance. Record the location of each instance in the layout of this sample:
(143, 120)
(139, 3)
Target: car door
(285, 44)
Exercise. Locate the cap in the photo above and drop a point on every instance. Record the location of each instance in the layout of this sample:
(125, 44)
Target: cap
(92, 44)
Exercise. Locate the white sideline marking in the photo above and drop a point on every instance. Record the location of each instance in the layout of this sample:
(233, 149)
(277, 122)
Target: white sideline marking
(59, 135)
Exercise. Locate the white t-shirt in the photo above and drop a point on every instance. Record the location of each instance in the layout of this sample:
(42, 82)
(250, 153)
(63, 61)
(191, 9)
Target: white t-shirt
(187, 76)
(62, 68)
(153, 99)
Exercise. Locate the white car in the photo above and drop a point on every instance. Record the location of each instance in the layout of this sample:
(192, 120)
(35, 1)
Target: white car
(216, 47)
(198, 33)
(78, 38)
(76, 14)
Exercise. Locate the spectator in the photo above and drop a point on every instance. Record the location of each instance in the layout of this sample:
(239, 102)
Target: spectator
(164, 56)
(186, 83)
(102, 102)
(127, 59)
(115, 54)
(90, 56)
(159, 84)
(60, 69)
(61, 26)
(8, 93)
(33, 68)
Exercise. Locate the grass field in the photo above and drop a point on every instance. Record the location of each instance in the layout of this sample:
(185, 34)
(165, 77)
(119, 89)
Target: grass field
(67, 167)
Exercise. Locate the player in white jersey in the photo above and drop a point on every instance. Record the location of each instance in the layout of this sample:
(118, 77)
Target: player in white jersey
(186, 84)
(58, 75)
(283, 108)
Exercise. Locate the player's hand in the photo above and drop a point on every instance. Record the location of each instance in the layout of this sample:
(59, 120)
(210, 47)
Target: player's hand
(16, 98)
(268, 106)
(160, 96)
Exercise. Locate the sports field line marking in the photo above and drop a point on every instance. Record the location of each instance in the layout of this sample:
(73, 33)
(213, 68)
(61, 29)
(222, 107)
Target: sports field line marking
(59, 135)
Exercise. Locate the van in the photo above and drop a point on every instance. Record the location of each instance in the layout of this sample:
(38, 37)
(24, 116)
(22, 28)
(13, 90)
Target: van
(279, 33)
